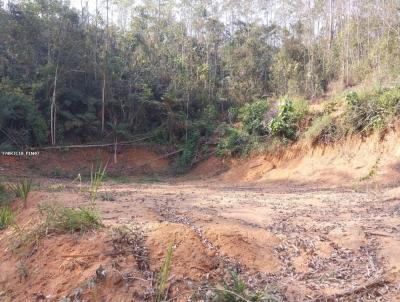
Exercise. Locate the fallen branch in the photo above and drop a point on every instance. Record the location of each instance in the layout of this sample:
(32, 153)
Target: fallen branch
(378, 234)
(90, 145)
(354, 291)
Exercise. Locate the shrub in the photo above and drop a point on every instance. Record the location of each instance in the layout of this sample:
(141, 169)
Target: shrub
(6, 217)
(233, 143)
(252, 115)
(364, 113)
(285, 123)
(189, 148)
(390, 100)
(63, 219)
(372, 111)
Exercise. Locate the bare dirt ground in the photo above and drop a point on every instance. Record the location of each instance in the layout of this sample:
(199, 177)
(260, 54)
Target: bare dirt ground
(320, 227)
(302, 243)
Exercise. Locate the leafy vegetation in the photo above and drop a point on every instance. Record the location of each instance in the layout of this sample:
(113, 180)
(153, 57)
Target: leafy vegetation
(285, 123)
(62, 219)
(372, 111)
(71, 74)
(6, 217)
(252, 115)
(4, 194)
(22, 189)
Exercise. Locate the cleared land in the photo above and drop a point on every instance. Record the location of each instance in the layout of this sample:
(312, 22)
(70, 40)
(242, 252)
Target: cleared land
(323, 226)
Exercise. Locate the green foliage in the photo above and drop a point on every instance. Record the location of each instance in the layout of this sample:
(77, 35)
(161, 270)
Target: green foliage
(160, 135)
(189, 148)
(236, 142)
(21, 122)
(252, 115)
(22, 189)
(198, 132)
(62, 219)
(4, 195)
(6, 217)
(285, 123)
(163, 276)
(372, 111)
(210, 113)
(323, 130)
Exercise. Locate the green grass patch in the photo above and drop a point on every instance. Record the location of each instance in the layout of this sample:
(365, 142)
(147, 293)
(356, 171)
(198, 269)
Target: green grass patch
(7, 217)
(22, 189)
(61, 219)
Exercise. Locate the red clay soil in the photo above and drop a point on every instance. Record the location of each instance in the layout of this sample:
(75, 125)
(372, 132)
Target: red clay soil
(130, 161)
(265, 218)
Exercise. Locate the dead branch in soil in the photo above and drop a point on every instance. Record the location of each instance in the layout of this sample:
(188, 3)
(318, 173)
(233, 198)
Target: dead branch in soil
(361, 290)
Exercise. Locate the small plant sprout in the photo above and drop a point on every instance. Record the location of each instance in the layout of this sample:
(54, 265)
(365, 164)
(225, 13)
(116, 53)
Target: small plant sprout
(78, 178)
(22, 189)
(162, 290)
(96, 179)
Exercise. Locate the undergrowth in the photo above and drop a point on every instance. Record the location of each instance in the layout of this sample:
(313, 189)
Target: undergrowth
(55, 219)
(61, 219)
(265, 126)
(22, 189)
(6, 217)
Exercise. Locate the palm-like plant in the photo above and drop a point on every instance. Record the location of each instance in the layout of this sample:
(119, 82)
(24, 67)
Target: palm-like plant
(22, 189)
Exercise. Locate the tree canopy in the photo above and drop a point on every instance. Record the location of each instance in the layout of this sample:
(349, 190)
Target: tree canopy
(174, 67)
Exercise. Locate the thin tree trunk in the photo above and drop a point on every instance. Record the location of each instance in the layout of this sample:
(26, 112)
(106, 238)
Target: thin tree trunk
(103, 101)
(53, 110)
(115, 148)
(330, 23)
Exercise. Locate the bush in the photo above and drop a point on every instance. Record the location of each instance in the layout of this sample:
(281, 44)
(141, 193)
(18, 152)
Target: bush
(252, 115)
(390, 101)
(373, 111)
(6, 217)
(285, 123)
(322, 131)
(232, 143)
(62, 219)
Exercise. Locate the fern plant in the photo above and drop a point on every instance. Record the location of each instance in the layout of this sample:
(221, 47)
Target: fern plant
(22, 189)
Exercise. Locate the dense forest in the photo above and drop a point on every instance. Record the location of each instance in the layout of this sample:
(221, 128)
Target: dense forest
(176, 69)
